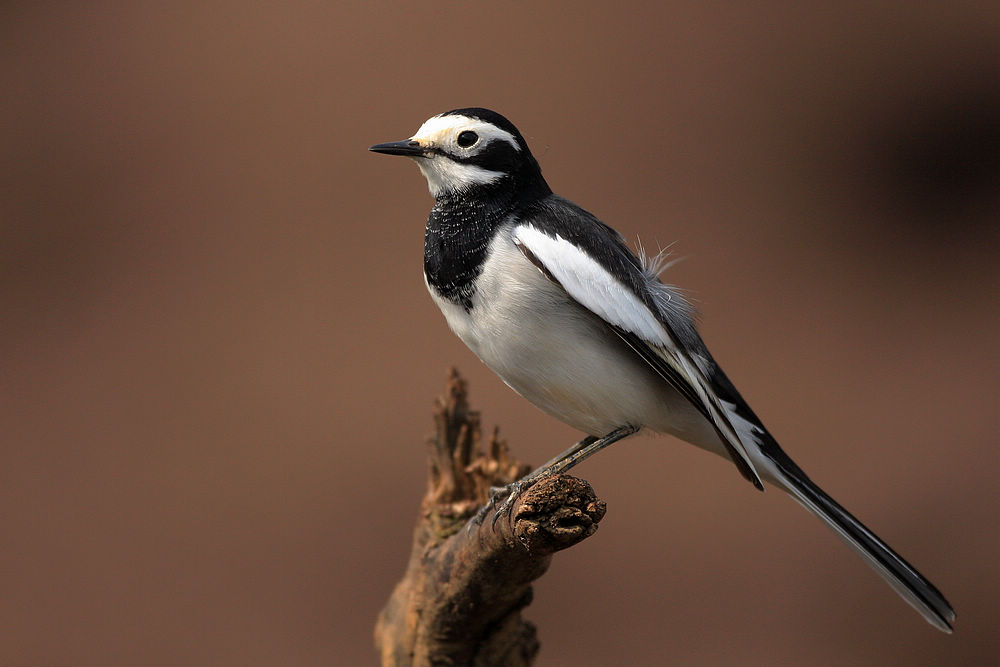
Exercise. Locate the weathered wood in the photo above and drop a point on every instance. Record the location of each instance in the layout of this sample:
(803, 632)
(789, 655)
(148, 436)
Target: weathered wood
(466, 583)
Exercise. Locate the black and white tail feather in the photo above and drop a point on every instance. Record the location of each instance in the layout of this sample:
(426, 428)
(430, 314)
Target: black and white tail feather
(688, 366)
(903, 577)
(779, 469)
(552, 300)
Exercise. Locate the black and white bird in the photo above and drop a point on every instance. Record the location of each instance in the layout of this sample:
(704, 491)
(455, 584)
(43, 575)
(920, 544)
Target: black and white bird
(554, 302)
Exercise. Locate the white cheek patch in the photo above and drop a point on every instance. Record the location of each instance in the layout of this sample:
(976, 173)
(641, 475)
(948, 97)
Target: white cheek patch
(445, 175)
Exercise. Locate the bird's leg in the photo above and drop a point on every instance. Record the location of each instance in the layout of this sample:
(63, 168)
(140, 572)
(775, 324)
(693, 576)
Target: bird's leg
(567, 460)
(560, 464)
(514, 489)
(542, 470)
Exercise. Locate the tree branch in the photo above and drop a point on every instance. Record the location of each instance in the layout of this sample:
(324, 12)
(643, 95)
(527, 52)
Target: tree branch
(459, 602)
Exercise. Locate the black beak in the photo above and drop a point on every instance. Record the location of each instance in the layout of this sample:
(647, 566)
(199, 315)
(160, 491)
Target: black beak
(406, 147)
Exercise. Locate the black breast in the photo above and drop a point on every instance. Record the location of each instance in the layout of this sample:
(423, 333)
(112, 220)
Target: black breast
(459, 231)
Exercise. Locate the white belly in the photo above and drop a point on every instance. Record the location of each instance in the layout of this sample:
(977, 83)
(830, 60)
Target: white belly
(563, 358)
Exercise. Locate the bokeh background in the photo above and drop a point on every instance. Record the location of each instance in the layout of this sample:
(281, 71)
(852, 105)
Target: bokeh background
(218, 357)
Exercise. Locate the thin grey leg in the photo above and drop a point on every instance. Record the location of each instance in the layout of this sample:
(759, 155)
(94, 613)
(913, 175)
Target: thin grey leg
(513, 490)
(570, 458)
(544, 469)
(560, 464)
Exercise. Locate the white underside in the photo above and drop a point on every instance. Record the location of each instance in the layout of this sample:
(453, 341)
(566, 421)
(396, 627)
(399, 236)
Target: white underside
(564, 358)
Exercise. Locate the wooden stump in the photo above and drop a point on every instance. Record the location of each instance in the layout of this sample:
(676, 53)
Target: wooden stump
(460, 601)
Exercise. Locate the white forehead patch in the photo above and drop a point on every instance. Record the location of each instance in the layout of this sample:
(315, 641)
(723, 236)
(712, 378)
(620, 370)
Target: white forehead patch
(442, 132)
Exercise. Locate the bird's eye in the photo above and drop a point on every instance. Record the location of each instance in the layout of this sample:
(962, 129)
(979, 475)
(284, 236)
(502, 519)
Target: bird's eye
(467, 138)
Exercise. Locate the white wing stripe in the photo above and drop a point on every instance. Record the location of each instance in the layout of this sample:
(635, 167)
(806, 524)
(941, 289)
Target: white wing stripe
(589, 283)
(594, 288)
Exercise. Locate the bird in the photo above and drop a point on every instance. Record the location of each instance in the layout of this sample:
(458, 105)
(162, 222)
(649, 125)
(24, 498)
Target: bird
(554, 302)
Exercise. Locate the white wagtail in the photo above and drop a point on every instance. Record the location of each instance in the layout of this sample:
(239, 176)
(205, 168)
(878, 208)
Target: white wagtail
(554, 302)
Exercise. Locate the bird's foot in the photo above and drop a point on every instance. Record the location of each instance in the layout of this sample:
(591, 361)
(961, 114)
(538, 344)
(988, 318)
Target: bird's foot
(509, 493)
(495, 491)
(502, 498)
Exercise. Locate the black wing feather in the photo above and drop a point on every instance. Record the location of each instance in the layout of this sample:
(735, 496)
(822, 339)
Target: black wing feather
(677, 381)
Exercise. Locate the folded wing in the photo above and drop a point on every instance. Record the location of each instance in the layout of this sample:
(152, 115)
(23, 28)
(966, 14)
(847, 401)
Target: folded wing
(635, 317)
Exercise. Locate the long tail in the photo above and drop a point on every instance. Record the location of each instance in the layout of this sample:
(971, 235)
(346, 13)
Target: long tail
(903, 577)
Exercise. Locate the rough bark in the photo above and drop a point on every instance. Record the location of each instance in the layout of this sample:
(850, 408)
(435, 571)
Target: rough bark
(460, 601)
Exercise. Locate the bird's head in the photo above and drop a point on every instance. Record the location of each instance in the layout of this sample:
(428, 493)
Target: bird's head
(464, 149)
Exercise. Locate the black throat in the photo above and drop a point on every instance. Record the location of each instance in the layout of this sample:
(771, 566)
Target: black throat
(460, 229)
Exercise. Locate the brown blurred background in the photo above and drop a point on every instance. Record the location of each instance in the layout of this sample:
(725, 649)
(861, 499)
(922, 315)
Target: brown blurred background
(218, 356)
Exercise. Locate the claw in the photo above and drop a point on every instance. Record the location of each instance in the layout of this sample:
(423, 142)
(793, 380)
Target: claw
(478, 518)
(512, 492)
(495, 493)
(560, 464)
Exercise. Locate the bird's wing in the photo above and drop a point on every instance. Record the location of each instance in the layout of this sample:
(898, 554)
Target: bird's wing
(630, 309)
